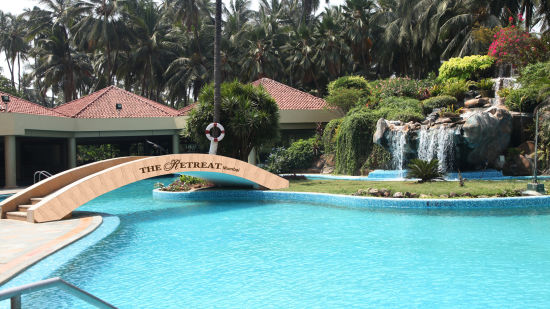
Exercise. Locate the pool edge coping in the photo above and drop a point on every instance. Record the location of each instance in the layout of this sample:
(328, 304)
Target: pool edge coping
(21, 263)
(55, 259)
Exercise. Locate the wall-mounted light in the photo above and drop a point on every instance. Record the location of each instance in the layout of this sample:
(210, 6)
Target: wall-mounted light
(118, 106)
(5, 98)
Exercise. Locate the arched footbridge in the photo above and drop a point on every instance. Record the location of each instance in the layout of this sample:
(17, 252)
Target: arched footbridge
(56, 197)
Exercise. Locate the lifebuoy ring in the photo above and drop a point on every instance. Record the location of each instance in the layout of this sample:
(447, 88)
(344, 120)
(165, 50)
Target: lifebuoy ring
(215, 125)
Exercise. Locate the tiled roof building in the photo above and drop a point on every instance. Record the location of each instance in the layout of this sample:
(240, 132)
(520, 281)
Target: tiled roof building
(289, 98)
(18, 105)
(103, 104)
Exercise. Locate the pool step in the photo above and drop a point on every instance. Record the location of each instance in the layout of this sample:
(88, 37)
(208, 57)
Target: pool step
(24, 208)
(17, 215)
(36, 200)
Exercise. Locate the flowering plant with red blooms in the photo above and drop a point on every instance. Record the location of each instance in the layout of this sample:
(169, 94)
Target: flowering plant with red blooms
(515, 45)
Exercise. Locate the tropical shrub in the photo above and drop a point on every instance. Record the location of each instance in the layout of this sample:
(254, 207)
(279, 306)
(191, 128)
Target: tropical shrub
(92, 153)
(329, 135)
(183, 183)
(346, 99)
(424, 170)
(401, 87)
(347, 92)
(516, 46)
(297, 157)
(249, 115)
(428, 105)
(469, 67)
(453, 87)
(401, 108)
(522, 99)
(535, 75)
(350, 82)
(486, 84)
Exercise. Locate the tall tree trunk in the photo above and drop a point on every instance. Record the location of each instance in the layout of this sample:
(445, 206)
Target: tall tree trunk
(217, 67)
(19, 73)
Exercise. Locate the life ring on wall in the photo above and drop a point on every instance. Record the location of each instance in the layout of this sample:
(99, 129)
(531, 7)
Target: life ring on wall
(215, 125)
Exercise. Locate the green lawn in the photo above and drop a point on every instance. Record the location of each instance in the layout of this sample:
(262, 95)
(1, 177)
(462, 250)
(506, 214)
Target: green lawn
(435, 189)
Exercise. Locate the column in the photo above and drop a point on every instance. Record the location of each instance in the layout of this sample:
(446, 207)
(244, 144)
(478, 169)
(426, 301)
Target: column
(10, 155)
(71, 152)
(252, 156)
(175, 143)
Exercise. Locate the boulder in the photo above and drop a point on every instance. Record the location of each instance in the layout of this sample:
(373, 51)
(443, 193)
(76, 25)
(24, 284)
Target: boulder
(518, 165)
(424, 196)
(476, 102)
(398, 195)
(381, 127)
(487, 135)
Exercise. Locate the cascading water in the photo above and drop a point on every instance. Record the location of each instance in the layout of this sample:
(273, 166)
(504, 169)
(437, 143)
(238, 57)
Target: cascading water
(397, 142)
(438, 144)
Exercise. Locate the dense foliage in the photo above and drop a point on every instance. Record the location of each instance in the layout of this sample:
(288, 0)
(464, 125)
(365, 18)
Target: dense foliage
(400, 108)
(470, 67)
(534, 80)
(163, 49)
(298, 157)
(347, 92)
(183, 183)
(329, 135)
(516, 46)
(249, 115)
(401, 87)
(424, 170)
(428, 105)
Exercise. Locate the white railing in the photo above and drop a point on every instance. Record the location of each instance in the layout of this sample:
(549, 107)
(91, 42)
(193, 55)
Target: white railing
(39, 174)
(14, 294)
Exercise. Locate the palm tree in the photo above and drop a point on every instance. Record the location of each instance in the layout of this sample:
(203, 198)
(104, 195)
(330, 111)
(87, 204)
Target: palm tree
(152, 48)
(217, 73)
(100, 31)
(13, 43)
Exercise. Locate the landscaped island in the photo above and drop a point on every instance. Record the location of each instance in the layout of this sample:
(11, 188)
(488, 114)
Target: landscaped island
(440, 189)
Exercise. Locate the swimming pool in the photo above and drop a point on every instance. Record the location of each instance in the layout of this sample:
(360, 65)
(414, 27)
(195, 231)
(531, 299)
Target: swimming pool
(236, 254)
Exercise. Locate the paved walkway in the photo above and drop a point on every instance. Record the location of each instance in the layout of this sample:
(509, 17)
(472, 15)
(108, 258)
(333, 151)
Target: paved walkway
(22, 244)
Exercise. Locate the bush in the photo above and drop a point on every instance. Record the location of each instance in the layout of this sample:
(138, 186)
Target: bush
(401, 87)
(354, 140)
(486, 84)
(453, 87)
(535, 75)
(249, 114)
(329, 135)
(299, 156)
(516, 46)
(522, 99)
(350, 82)
(183, 183)
(347, 92)
(424, 170)
(428, 105)
(346, 99)
(469, 67)
(401, 108)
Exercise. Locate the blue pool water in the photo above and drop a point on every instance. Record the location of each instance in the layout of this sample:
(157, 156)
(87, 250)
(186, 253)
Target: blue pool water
(233, 254)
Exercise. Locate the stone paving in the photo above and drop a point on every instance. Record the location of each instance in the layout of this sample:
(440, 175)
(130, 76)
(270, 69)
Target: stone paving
(23, 244)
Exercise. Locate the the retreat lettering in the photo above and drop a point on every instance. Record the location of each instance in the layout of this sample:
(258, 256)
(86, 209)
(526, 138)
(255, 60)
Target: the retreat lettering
(178, 165)
(149, 169)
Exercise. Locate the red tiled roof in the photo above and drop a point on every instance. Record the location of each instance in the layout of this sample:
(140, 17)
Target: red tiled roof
(289, 98)
(102, 104)
(18, 105)
(186, 109)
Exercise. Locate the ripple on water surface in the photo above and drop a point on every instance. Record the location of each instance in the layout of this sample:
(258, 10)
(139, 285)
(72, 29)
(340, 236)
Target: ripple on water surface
(278, 254)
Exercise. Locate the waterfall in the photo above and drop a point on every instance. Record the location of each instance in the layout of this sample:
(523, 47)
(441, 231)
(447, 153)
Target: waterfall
(503, 82)
(397, 141)
(438, 144)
